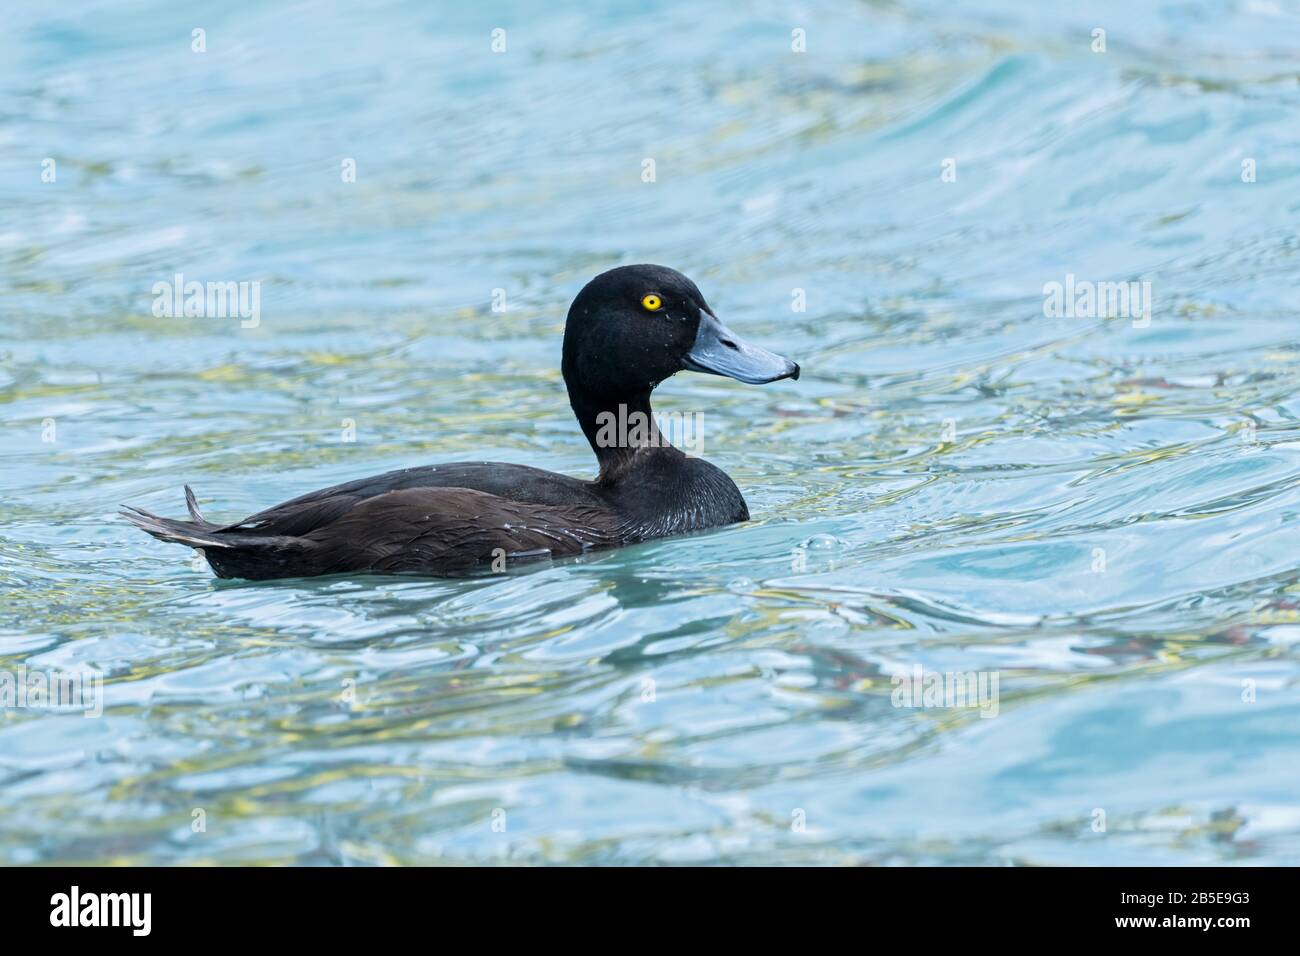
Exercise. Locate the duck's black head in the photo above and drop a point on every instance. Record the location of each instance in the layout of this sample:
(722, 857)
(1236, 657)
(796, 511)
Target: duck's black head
(632, 327)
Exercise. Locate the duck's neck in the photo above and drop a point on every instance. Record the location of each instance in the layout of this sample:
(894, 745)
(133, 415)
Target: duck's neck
(616, 426)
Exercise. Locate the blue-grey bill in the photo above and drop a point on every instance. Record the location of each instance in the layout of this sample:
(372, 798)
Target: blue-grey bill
(719, 351)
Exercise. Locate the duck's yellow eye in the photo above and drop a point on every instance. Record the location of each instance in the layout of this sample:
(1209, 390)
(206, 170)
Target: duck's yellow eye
(652, 302)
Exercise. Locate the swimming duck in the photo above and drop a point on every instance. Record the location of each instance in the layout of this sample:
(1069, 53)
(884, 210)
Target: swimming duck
(628, 330)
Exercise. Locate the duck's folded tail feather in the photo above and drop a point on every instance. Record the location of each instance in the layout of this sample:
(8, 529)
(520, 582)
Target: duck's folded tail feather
(192, 506)
(196, 534)
(232, 554)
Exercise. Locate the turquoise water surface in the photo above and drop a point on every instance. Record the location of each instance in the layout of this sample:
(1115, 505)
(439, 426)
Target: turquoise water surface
(1097, 514)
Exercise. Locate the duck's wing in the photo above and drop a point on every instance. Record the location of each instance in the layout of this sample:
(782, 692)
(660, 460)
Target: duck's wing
(429, 530)
(317, 509)
(450, 529)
